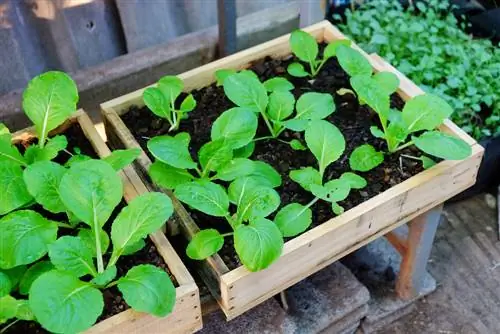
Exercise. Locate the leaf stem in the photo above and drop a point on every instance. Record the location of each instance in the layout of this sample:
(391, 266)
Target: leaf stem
(198, 171)
(410, 143)
(64, 225)
(268, 124)
(311, 203)
(8, 326)
(410, 157)
(111, 284)
(263, 138)
(227, 234)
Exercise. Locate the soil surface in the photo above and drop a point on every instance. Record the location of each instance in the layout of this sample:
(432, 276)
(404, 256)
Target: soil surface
(352, 119)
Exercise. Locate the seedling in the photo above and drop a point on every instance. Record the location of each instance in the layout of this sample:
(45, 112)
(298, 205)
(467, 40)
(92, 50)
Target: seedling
(161, 100)
(305, 47)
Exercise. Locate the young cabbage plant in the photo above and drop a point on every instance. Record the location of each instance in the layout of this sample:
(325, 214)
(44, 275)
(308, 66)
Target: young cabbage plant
(67, 297)
(327, 144)
(161, 100)
(305, 47)
(257, 240)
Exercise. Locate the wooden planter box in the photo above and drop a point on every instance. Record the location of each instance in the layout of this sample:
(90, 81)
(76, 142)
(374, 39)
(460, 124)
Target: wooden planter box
(186, 316)
(239, 290)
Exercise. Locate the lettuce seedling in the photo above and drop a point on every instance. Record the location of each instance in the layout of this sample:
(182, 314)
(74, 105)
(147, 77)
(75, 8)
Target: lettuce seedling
(161, 101)
(305, 47)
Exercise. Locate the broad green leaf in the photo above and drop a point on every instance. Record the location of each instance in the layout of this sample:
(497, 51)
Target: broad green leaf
(25, 238)
(42, 180)
(443, 145)
(214, 155)
(221, 75)
(293, 219)
(15, 274)
(62, 303)
(245, 151)
(157, 103)
(297, 70)
(355, 181)
(77, 158)
(207, 197)
(281, 105)
(246, 91)
(298, 125)
(168, 177)
(71, 254)
(91, 190)
(376, 132)
(425, 112)
(314, 106)
(6, 285)
(306, 176)
(50, 151)
(257, 202)
(8, 308)
(258, 244)
(267, 175)
(32, 274)
(24, 311)
(134, 248)
(331, 48)
(49, 100)
(239, 186)
(188, 104)
(427, 162)
(371, 93)
(88, 237)
(106, 276)
(119, 159)
(304, 46)
(337, 209)
(353, 62)
(14, 193)
(9, 152)
(387, 81)
(338, 189)
(297, 145)
(147, 288)
(145, 214)
(365, 158)
(173, 151)
(237, 126)
(250, 73)
(325, 141)
(396, 134)
(278, 84)
(171, 87)
(204, 244)
(236, 168)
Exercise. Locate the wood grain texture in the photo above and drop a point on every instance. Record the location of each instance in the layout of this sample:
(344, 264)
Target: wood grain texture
(302, 256)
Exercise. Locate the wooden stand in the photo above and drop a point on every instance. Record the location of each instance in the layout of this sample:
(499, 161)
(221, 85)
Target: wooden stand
(186, 316)
(239, 290)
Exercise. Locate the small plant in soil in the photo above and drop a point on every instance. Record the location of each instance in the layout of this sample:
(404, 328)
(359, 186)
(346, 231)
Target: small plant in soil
(161, 100)
(305, 47)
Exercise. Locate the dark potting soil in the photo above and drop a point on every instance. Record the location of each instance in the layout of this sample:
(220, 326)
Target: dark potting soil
(352, 119)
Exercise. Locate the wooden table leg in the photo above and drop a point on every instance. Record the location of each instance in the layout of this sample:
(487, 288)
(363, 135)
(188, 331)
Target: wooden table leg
(421, 232)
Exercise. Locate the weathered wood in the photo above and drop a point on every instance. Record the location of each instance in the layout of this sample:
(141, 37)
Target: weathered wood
(240, 289)
(418, 249)
(186, 316)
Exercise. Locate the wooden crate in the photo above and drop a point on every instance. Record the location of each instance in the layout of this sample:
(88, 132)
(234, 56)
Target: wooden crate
(239, 290)
(186, 316)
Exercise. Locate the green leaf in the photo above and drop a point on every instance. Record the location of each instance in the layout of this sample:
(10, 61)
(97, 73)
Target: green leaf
(25, 238)
(32, 274)
(50, 151)
(298, 125)
(173, 151)
(293, 219)
(9, 152)
(49, 100)
(332, 191)
(88, 237)
(6, 285)
(4, 130)
(71, 254)
(134, 248)
(376, 132)
(245, 151)
(387, 81)
(281, 105)
(106, 276)
(14, 193)
(168, 177)
(297, 145)
(314, 106)
(365, 158)
(237, 126)
(266, 173)
(353, 62)
(371, 93)
(236, 168)
(62, 303)
(24, 311)
(355, 181)
(91, 190)
(325, 141)
(221, 75)
(304, 46)
(214, 155)
(119, 159)
(297, 70)
(171, 87)
(240, 185)
(42, 180)
(427, 162)
(145, 214)
(257, 202)
(246, 91)
(306, 176)
(278, 84)
(425, 112)
(443, 145)
(396, 134)
(188, 104)
(157, 103)
(337, 209)
(207, 197)
(147, 288)
(8, 308)
(204, 244)
(15, 274)
(258, 244)
(77, 158)
(331, 49)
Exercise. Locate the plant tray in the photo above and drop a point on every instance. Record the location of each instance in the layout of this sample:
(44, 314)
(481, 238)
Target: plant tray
(239, 290)
(186, 316)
